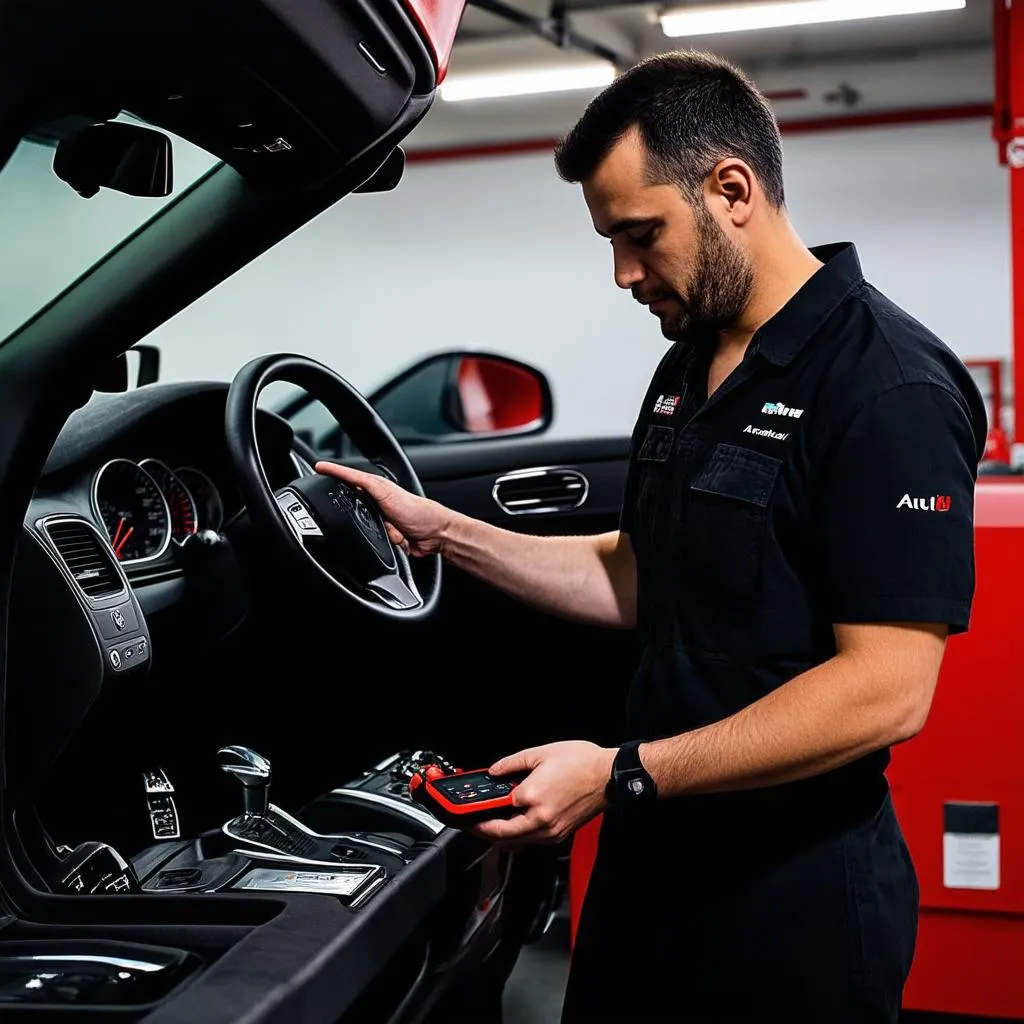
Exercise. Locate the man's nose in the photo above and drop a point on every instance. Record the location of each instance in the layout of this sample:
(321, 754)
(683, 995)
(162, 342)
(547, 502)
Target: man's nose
(628, 269)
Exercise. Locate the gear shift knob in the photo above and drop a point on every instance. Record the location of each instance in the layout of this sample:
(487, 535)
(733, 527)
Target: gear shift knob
(253, 771)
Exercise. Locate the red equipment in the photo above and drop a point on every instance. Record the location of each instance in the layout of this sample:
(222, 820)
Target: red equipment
(465, 798)
(971, 941)
(1008, 132)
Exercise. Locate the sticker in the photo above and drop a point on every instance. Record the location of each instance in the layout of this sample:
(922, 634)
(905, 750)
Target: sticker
(970, 846)
(1015, 153)
(334, 882)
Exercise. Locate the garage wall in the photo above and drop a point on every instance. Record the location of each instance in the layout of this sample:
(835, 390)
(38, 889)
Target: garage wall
(499, 254)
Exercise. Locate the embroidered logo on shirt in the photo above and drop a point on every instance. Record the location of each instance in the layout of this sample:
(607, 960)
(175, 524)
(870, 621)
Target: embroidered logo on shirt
(666, 405)
(772, 435)
(778, 409)
(936, 503)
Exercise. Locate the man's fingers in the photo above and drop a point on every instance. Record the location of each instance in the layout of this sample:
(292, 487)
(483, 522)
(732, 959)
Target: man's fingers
(397, 537)
(376, 486)
(501, 830)
(524, 761)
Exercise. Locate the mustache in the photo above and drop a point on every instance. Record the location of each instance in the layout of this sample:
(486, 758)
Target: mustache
(646, 299)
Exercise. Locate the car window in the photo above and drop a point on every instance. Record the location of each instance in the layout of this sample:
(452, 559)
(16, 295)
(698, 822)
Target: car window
(51, 235)
(307, 416)
(410, 411)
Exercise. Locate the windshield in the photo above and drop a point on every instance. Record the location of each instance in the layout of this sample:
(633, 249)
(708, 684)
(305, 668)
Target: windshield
(51, 234)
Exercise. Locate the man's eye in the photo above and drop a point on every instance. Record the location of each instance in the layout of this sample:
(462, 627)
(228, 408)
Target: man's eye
(644, 239)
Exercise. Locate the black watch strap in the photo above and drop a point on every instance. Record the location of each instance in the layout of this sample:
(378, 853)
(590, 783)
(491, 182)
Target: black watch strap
(630, 786)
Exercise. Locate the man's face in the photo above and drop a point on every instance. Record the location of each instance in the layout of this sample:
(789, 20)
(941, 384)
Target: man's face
(672, 255)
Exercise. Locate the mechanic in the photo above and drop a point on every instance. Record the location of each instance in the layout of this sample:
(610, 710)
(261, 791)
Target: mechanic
(796, 544)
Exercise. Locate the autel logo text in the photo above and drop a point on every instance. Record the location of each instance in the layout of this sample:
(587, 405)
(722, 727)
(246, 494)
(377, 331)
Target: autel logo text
(936, 503)
(778, 409)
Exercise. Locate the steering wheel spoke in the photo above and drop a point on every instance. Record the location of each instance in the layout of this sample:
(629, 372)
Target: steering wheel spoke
(297, 514)
(393, 591)
(332, 530)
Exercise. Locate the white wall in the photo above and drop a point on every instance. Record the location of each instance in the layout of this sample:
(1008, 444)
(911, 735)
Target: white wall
(499, 254)
(929, 209)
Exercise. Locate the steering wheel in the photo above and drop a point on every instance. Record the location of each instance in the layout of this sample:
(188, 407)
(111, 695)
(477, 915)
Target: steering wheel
(319, 523)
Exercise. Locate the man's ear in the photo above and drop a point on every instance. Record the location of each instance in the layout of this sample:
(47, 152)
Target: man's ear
(733, 188)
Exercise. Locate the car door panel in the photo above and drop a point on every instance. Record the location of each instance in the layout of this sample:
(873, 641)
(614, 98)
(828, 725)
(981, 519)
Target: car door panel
(526, 676)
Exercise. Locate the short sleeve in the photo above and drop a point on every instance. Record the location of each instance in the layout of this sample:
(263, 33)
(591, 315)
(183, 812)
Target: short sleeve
(896, 511)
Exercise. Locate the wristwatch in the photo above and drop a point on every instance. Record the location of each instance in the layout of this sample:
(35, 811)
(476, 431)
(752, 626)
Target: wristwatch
(630, 787)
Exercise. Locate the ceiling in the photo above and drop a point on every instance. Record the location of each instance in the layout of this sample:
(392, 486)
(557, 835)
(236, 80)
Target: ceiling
(868, 66)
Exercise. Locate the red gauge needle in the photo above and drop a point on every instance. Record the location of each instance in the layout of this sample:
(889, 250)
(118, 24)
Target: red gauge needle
(124, 540)
(117, 533)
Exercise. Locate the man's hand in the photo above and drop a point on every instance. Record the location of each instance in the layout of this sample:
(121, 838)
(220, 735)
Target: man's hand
(415, 524)
(564, 790)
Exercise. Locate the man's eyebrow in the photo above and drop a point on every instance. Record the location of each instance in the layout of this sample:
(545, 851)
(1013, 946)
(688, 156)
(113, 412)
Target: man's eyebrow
(627, 224)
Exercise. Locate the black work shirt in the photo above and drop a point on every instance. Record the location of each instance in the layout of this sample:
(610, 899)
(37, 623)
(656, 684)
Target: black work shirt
(829, 479)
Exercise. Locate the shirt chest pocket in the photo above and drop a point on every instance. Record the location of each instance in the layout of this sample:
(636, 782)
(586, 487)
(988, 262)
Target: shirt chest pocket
(722, 527)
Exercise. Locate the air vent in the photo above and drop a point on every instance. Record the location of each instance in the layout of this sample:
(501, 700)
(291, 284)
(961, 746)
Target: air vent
(534, 491)
(81, 550)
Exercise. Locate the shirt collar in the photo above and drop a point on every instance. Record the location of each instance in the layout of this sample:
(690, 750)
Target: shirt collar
(785, 334)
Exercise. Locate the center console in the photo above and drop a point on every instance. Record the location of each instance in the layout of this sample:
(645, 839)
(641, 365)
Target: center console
(389, 904)
(267, 849)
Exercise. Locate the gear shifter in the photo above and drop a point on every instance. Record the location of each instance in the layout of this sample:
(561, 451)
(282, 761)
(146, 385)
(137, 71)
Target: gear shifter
(275, 833)
(253, 771)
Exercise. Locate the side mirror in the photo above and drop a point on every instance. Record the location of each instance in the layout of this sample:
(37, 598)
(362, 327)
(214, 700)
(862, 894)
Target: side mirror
(459, 396)
(113, 375)
(116, 375)
(388, 175)
(125, 157)
(149, 364)
(446, 398)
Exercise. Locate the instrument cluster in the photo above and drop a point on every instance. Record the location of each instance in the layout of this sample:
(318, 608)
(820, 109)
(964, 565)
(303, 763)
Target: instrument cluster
(146, 506)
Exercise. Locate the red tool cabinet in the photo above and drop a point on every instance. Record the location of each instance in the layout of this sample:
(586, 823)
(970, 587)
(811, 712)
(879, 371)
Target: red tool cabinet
(970, 951)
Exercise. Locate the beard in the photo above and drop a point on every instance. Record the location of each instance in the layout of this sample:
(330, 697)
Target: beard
(719, 288)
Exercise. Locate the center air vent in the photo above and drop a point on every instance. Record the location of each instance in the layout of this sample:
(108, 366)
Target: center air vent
(540, 490)
(81, 550)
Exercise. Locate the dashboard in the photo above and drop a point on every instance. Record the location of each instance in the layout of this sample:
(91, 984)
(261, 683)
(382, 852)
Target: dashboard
(146, 506)
(150, 469)
(137, 568)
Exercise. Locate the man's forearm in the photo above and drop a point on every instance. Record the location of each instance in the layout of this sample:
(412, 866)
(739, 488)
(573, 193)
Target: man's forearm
(589, 579)
(822, 719)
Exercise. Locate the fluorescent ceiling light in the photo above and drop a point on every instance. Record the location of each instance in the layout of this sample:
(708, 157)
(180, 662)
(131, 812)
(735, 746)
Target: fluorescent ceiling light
(740, 17)
(525, 83)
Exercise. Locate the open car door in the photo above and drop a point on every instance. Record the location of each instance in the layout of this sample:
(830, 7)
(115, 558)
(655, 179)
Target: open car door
(364, 908)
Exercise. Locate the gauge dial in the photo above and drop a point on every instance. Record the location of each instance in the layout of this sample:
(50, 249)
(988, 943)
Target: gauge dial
(208, 502)
(133, 510)
(184, 519)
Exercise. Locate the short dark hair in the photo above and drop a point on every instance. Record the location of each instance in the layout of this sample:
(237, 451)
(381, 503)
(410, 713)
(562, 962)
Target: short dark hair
(692, 110)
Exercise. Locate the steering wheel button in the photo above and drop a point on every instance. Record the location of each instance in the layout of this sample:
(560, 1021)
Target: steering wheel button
(306, 523)
(115, 659)
(296, 509)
